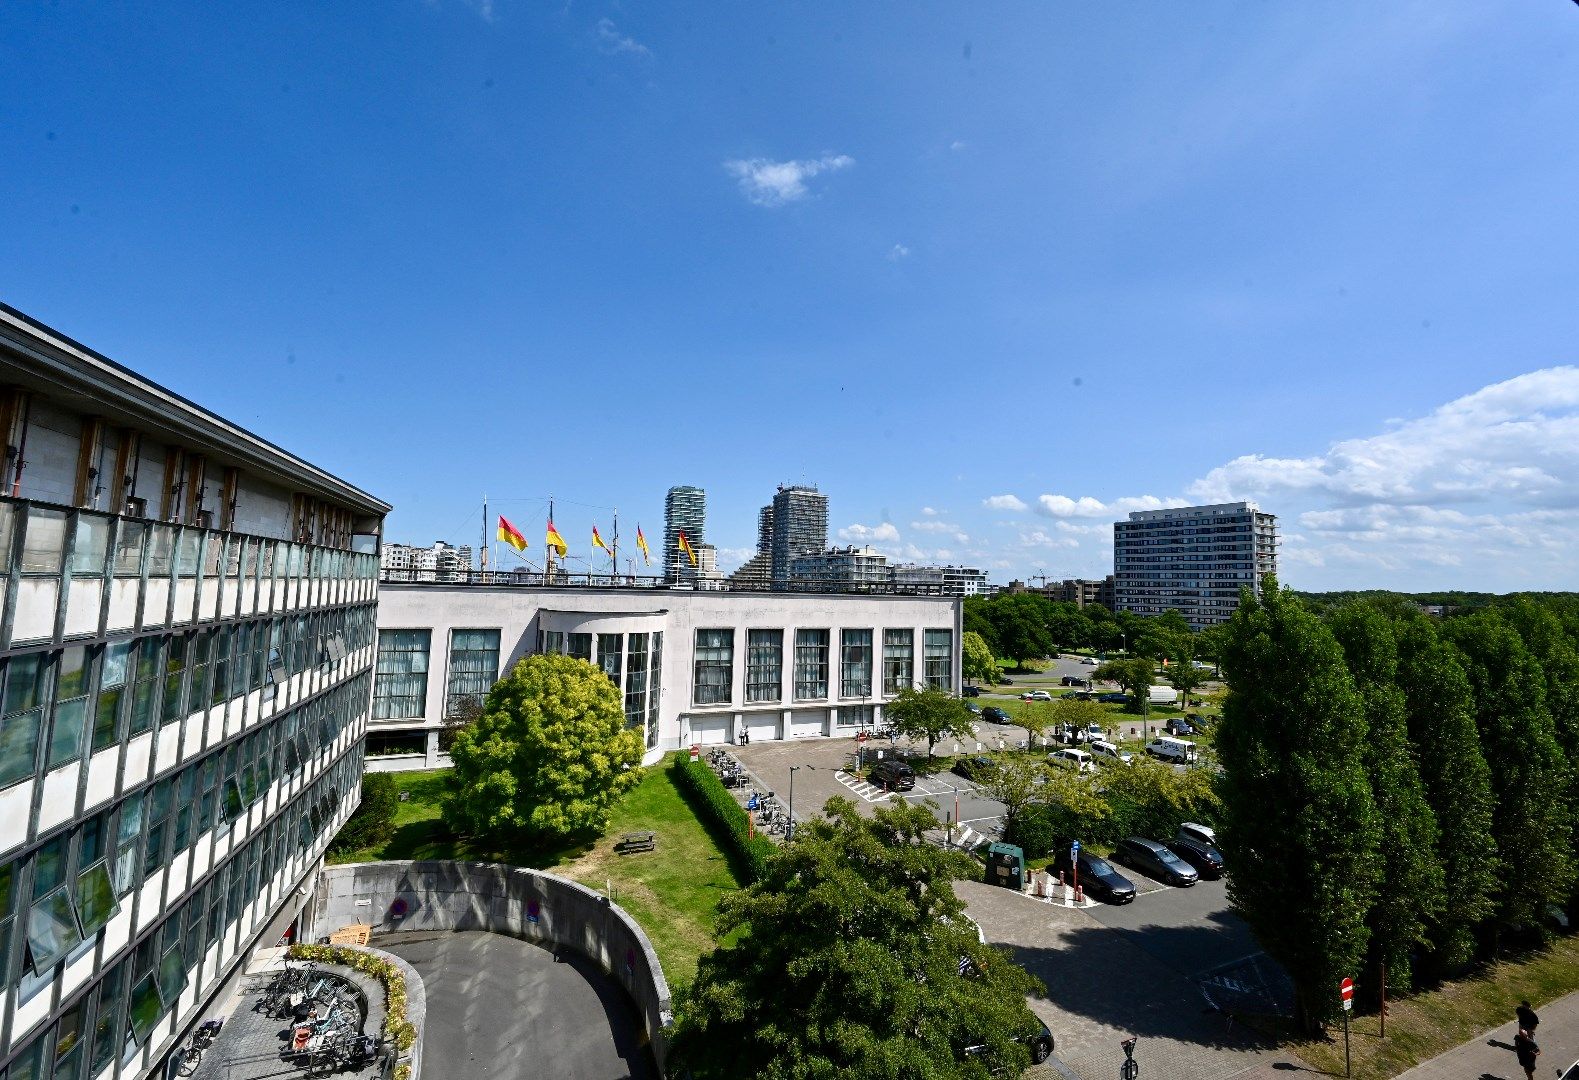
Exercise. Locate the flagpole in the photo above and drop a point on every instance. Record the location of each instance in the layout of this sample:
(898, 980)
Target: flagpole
(482, 555)
(614, 552)
(548, 558)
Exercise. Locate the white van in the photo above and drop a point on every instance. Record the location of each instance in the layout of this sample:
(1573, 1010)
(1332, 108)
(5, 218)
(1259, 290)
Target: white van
(1164, 695)
(1078, 760)
(1178, 751)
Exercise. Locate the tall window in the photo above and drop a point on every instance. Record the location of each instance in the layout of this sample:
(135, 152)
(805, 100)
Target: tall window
(899, 660)
(400, 691)
(811, 664)
(609, 646)
(474, 667)
(636, 682)
(715, 667)
(654, 687)
(581, 646)
(940, 658)
(855, 663)
(764, 665)
(26, 686)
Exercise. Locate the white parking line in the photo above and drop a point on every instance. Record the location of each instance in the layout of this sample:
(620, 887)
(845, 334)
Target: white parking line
(860, 787)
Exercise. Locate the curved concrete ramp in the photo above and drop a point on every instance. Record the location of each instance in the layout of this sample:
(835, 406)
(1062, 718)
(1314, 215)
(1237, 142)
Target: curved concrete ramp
(500, 1008)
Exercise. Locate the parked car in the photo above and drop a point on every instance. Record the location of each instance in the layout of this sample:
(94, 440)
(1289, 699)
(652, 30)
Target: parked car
(1078, 760)
(1106, 752)
(1113, 699)
(974, 767)
(1201, 834)
(1036, 695)
(1207, 860)
(995, 714)
(1078, 695)
(1091, 660)
(893, 775)
(1097, 876)
(1096, 731)
(1073, 680)
(1154, 860)
(970, 691)
(1005, 680)
(1179, 726)
(1039, 1041)
(973, 707)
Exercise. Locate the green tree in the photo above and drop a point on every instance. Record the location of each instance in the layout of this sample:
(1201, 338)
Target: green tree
(1019, 782)
(1530, 819)
(1078, 714)
(978, 620)
(1020, 627)
(372, 824)
(846, 960)
(977, 659)
(1162, 635)
(1133, 677)
(1440, 711)
(549, 757)
(1412, 891)
(929, 713)
(1298, 821)
(1182, 674)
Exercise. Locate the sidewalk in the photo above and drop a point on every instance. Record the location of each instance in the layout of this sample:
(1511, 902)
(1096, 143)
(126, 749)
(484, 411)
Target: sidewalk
(1478, 1059)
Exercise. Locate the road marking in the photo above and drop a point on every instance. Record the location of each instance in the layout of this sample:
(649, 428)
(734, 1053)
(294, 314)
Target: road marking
(860, 787)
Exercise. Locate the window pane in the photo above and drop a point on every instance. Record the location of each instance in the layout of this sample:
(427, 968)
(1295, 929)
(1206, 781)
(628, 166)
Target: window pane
(898, 660)
(714, 661)
(23, 711)
(581, 647)
(811, 664)
(400, 688)
(940, 658)
(51, 930)
(161, 550)
(95, 897)
(45, 542)
(90, 546)
(474, 667)
(145, 1008)
(129, 548)
(855, 679)
(764, 665)
(636, 681)
(609, 658)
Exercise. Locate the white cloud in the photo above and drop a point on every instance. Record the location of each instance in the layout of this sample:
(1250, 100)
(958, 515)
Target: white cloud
(898, 252)
(1062, 506)
(927, 511)
(932, 525)
(611, 41)
(1003, 502)
(774, 183)
(958, 145)
(867, 534)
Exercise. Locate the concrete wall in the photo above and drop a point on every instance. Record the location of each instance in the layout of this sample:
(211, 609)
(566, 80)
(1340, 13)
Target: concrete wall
(527, 904)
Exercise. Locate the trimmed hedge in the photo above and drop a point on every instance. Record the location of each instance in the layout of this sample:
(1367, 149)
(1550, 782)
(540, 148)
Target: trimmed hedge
(399, 1030)
(753, 852)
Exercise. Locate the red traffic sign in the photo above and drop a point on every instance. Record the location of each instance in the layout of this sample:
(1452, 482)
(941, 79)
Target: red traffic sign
(860, 736)
(1346, 992)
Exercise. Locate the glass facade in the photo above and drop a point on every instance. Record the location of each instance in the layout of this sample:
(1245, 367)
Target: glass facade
(401, 690)
(899, 660)
(855, 664)
(811, 665)
(940, 659)
(764, 665)
(474, 668)
(714, 661)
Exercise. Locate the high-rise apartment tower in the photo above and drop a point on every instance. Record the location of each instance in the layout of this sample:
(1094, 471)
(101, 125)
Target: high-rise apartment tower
(684, 510)
(1192, 559)
(800, 526)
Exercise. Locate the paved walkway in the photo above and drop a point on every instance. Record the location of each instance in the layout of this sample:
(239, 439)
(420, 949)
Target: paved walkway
(1489, 1056)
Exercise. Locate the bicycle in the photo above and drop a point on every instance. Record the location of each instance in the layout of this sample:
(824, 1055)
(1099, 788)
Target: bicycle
(202, 1039)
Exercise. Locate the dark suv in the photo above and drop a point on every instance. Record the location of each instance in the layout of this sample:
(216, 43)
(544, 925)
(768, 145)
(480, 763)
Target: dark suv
(995, 714)
(893, 775)
(1097, 877)
(970, 691)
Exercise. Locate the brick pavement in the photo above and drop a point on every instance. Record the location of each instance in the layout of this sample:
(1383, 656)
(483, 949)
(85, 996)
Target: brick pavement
(1102, 988)
(1489, 1055)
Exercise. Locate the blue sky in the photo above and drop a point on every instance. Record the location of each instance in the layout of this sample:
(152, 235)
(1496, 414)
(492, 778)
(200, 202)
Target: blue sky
(943, 260)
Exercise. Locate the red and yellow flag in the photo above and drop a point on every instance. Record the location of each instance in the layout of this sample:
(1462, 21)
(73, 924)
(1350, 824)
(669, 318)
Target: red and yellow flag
(685, 546)
(597, 541)
(555, 541)
(511, 535)
(641, 542)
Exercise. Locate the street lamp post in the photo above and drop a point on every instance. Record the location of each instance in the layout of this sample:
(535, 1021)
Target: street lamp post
(789, 828)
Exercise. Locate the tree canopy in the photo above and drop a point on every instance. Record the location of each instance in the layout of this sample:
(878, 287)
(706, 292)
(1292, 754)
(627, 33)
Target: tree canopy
(549, 756)
(928, 713)
(852, 957)
(977, 660)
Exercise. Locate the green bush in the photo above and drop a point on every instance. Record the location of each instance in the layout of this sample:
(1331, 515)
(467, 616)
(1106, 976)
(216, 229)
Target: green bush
(373, 822)
(753, 852)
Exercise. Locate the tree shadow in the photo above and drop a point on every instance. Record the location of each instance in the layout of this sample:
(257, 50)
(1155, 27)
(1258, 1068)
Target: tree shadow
(716, 831)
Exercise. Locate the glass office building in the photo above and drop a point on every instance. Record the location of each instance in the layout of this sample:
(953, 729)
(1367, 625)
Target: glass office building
(186, 663)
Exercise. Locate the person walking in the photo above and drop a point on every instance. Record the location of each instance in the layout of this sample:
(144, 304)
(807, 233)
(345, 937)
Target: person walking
(1526, 1049)
(1527, 1018)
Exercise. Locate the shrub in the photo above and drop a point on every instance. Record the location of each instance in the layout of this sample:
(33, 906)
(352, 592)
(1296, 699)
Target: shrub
(397, 1029)
(752, 852)
(373, 822)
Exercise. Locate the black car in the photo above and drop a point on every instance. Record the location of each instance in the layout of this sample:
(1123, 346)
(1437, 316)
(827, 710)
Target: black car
(1178, 726)
(974, 767)
(1155, 861)
(892, 775)
(1040, 1042)
(1077, 695)
(1207, 860)
(1005, 680)
(970, 691)
(1113, 699)
(995, 714)
(1097, 877)
(1073, 680)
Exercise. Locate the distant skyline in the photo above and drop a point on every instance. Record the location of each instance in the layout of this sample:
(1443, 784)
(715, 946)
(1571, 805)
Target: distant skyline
(989, 277)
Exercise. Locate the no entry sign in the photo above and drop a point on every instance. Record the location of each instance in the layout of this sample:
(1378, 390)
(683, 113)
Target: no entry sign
(1346, 993)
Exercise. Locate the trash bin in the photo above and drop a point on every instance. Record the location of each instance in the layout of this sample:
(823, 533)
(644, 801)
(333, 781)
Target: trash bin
(1006, 866)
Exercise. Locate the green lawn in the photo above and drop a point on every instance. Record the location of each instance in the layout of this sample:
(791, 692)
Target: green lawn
(672, 892)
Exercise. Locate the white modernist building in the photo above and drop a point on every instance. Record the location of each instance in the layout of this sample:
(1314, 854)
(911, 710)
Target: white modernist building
(692, 666)
(186, 660)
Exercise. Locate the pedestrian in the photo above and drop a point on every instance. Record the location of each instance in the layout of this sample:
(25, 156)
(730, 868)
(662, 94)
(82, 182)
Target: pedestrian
(1524, 1046)
(1527, 1018)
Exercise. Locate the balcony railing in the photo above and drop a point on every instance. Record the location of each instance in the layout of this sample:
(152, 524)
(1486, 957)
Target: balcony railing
(566, 579)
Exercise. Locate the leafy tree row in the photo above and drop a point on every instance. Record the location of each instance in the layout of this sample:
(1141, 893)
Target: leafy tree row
(1399, 794)
(1025, 626)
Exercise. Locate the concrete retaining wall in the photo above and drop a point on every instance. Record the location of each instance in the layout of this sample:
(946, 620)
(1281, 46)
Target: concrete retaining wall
(527, 904)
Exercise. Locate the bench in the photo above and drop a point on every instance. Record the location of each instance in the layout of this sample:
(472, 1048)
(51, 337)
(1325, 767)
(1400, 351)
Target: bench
(636, 841)
(356, 934)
